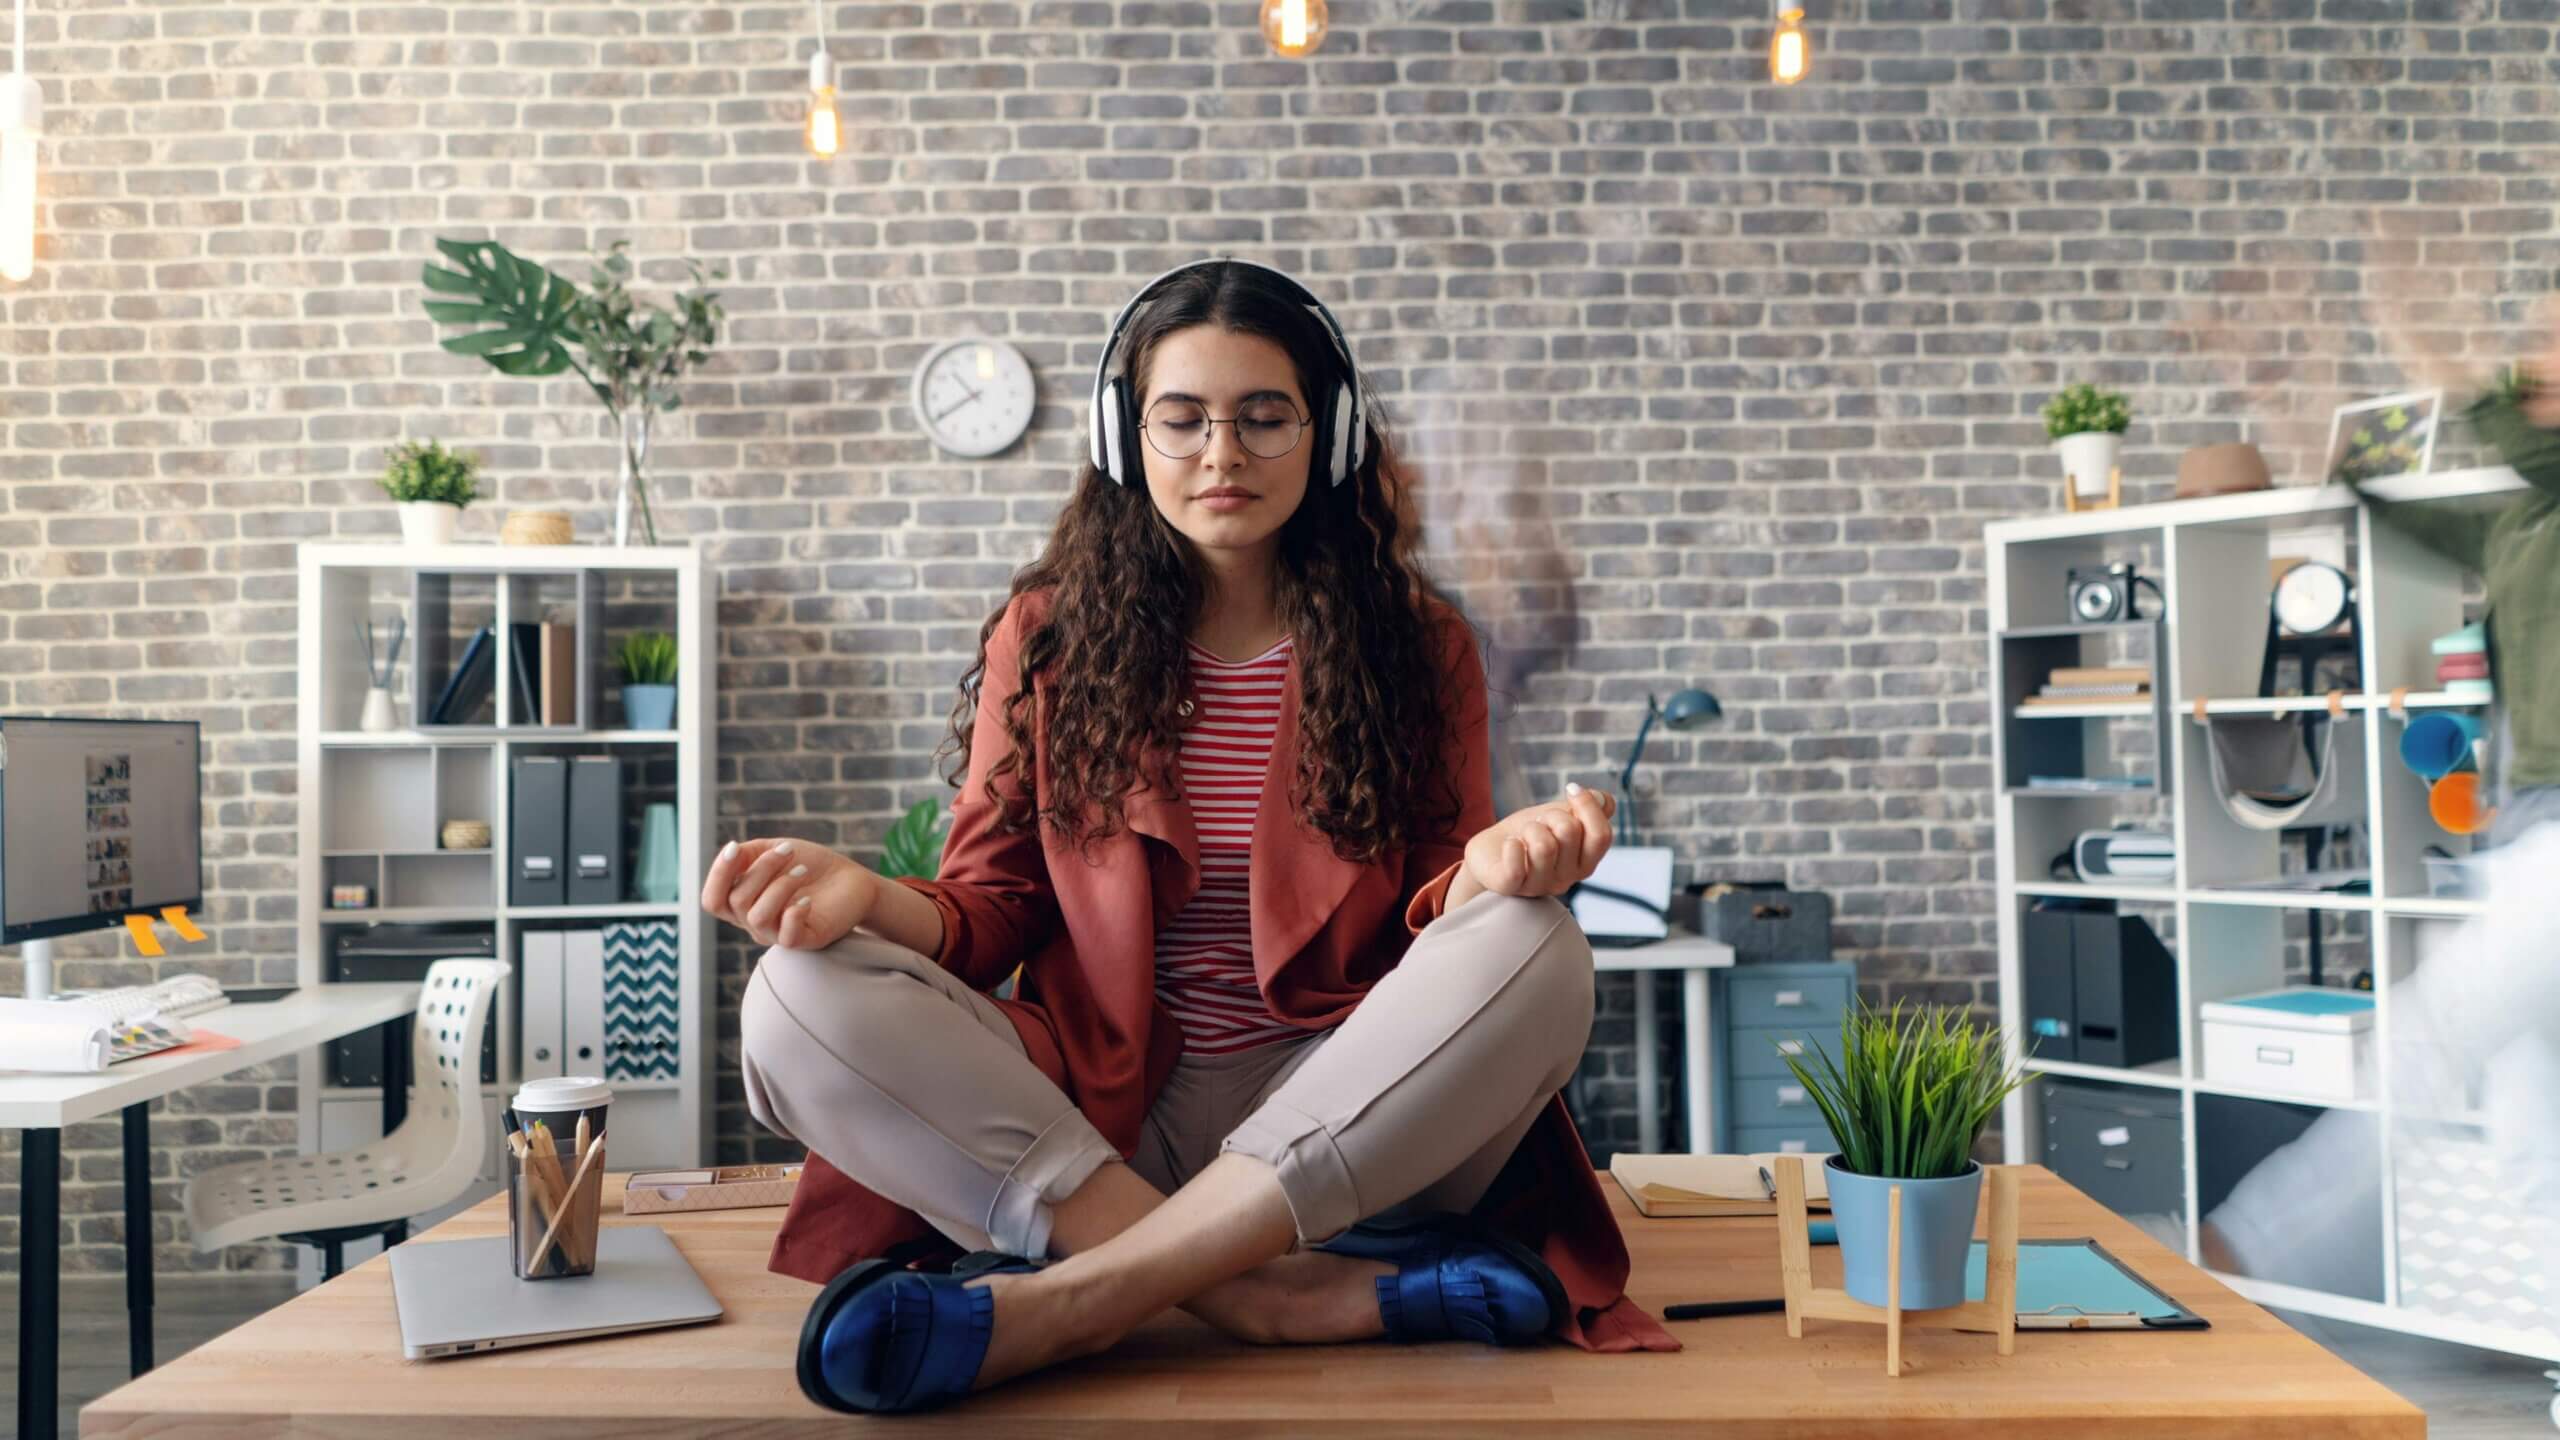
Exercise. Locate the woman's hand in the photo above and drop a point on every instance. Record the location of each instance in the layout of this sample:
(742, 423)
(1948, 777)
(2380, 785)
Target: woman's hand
(792, 893)
(1543, 850)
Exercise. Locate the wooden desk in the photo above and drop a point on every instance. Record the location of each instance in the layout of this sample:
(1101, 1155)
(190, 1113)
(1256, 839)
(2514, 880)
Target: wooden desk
(328, 1363)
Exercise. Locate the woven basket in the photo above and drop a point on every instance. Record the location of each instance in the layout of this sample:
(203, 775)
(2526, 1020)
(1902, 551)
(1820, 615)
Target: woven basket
(466, 835)
(535, 527)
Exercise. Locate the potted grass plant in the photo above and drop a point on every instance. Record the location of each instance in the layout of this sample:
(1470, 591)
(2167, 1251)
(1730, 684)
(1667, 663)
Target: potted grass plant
(648, 662)
(2087, 425)
(432, 486)
(1906, 1097)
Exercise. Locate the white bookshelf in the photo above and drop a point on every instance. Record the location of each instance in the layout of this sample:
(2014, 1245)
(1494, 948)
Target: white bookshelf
(2210, 557)
(374, 803)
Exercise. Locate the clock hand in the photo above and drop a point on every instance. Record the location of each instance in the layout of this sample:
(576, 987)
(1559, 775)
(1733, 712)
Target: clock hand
(973, 398)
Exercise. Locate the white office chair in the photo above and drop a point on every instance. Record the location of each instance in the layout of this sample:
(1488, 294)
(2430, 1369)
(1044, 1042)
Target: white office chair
(435, 1155)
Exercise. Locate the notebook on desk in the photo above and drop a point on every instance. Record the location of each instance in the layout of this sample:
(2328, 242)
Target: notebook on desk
(1687, 1186)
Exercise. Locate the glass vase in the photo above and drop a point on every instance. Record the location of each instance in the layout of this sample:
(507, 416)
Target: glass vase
(632, 492)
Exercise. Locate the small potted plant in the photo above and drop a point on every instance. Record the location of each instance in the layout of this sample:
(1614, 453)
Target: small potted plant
(2087, 425)
(1906, 1099)
(433, 485)
(648, 663)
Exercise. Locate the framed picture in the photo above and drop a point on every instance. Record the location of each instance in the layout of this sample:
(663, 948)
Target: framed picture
(2379, 439)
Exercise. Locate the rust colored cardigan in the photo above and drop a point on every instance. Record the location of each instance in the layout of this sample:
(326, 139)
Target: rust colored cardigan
(1083, 924)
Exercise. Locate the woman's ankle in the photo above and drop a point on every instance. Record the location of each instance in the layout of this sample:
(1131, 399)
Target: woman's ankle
(1308, 1298)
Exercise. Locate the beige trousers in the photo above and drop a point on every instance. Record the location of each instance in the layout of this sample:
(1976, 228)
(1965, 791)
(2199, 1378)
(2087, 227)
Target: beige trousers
(919, 1088)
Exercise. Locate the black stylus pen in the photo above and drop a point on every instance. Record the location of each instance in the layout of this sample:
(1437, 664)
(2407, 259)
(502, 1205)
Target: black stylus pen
(1710, 1309)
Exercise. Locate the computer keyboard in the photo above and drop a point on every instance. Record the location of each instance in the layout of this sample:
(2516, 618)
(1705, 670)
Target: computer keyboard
(179, 995)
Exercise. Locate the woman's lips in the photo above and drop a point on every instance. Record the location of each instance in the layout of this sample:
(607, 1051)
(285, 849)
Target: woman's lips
(1228, 499)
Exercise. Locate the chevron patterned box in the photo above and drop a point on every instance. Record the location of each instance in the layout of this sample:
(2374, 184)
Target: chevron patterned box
(642, 1029)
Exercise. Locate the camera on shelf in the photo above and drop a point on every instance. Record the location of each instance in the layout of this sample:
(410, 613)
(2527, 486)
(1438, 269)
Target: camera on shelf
(2108, 594)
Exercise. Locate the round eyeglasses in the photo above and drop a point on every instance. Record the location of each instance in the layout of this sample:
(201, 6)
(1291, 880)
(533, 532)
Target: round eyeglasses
(1179, 429)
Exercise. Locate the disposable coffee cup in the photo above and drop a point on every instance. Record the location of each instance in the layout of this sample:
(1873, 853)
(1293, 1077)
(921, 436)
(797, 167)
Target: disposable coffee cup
(555, 1189)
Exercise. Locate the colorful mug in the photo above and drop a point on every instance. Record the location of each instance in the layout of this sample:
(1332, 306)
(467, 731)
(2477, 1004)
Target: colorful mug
(2454, 801)
(2439, 742)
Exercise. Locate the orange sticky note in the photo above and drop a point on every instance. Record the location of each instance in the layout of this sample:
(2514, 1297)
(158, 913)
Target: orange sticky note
(143, 939)
(176, 915)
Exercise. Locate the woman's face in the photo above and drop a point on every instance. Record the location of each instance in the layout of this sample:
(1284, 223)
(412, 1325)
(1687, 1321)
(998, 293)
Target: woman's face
(1241, 487)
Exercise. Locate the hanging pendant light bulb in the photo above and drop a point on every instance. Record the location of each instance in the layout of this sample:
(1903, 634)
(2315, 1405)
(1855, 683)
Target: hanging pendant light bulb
(1295, 28)
(1790, 50)
(21, 121)
(824, 131)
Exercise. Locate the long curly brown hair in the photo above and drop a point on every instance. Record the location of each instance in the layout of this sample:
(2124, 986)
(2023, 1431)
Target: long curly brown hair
(1127, 588)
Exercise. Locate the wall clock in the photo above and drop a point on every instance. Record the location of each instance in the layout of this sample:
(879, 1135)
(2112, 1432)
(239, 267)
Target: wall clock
(974, 397)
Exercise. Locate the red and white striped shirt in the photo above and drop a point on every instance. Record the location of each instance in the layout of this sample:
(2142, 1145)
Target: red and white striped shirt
(1204, 958)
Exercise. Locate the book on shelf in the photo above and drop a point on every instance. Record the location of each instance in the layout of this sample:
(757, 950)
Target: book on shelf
(522, 652)
(558, 646)
(2118, 675)
(469, 683)
(2086, 695)
(2089, 784)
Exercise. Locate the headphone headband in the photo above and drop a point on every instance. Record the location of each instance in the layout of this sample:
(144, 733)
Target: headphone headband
(1342, 417)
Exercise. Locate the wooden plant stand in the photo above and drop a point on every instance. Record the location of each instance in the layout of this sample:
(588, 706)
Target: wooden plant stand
(1996, 1312)
(2072, 502)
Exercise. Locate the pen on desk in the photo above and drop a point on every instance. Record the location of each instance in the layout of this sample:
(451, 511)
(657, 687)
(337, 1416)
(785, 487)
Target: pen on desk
(1711, 1309)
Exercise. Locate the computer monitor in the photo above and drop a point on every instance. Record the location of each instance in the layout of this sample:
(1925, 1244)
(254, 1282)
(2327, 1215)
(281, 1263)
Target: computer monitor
(99, 819)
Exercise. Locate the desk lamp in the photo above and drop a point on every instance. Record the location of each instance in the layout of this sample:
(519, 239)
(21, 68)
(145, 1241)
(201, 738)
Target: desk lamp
(1686, 708)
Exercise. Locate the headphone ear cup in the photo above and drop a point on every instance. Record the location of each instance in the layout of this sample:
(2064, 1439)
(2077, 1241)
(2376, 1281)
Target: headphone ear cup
(1096, 442)
(1124, 410)
(1340, 422)
(1106, 432)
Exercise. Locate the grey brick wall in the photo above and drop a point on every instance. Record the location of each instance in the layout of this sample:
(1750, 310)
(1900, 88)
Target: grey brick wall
(1714, 383)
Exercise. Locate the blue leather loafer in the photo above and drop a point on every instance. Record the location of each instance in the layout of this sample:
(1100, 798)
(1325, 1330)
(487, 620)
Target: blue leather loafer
(1456, 1280)
(882, 1339)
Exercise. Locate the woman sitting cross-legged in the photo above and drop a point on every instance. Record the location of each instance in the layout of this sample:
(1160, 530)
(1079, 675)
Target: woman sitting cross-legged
(1294, 1007)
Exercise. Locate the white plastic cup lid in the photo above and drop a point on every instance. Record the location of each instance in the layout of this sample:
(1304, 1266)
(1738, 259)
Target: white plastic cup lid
(561, 1093)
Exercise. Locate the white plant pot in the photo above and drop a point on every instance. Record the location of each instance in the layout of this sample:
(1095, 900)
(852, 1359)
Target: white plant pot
(428, 522)
(2088, 460)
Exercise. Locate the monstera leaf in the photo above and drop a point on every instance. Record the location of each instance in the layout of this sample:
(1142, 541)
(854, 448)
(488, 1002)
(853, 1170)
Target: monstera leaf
(528, 314)
(913, 846)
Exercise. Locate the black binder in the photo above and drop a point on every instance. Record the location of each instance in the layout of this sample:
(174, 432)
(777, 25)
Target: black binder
(538, 818)
(594, 855)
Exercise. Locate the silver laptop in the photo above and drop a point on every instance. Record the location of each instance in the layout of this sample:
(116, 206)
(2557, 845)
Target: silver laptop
(459, 1297)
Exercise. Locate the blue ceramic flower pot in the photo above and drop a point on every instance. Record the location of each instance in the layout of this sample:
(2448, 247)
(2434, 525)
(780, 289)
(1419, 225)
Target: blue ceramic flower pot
(1937, 1231)
(649, 707)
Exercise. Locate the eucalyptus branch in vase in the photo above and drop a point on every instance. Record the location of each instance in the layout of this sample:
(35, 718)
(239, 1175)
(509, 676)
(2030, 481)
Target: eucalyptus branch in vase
(637, 356)
(637, 352)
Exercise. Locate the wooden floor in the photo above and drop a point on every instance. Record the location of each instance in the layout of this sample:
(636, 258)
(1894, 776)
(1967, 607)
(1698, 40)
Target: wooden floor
(2466, 1394)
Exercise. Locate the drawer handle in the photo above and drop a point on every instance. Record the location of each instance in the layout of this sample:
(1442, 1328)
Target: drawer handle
(2275, 1055)
(1790, 1147)
(1790, 1047)
(2114, 1163)
(1790, 1094)
(2116, 1135)
(1789, 998)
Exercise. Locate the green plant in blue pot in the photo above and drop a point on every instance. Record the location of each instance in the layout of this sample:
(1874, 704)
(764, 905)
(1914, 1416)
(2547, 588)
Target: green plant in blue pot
(1906, 1097)
(648, 662)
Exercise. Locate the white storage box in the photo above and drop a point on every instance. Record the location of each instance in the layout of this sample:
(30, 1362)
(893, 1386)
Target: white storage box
(2303, 1040)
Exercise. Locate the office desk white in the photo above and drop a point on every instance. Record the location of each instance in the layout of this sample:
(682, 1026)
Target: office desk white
(41, 1105)
(1693, 955)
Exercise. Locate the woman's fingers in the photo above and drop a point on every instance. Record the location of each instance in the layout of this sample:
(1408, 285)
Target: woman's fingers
(1592, 811)
(716, 883)
(765, 916)
(758, 874)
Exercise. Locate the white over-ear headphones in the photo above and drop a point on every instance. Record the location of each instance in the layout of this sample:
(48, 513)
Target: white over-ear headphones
(1341, 421)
